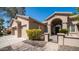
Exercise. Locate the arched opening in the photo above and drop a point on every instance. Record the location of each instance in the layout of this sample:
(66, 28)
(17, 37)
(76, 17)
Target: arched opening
(56, 25)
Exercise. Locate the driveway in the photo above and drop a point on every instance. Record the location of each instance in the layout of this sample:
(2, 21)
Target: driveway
(8, 40)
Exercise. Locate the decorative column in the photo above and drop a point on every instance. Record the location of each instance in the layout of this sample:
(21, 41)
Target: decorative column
(12, 31)
(18, 29)
(60, 38)
(46, 36)
(64, 25)
(49, 29)
(76, 29)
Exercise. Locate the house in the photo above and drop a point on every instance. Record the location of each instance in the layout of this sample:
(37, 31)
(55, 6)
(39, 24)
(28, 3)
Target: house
(21, 23)
(52, 24)
(62, 20)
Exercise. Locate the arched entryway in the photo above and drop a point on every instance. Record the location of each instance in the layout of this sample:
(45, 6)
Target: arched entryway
(56, 25)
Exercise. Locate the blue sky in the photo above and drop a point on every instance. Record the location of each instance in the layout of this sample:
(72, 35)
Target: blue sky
(40, 13)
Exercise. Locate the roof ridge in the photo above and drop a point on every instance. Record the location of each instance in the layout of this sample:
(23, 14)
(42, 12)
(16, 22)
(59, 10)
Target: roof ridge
(28, 17)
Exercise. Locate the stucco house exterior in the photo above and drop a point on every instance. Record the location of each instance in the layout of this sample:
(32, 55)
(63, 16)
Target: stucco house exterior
(62, 20)
(21, 23)
(52, 24)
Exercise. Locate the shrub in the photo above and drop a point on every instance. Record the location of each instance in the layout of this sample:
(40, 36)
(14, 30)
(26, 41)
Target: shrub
(65, 31)
(34, 34)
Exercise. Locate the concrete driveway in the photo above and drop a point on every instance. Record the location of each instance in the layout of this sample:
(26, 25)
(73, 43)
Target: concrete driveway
(8, 40)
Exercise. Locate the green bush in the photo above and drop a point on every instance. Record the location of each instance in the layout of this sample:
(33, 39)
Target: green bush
(65, 31)
(34, 34)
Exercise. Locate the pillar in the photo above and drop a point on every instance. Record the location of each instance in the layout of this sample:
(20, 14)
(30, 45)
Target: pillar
(12, 31)
(64, 25)
(46, 36)
(19, 29)
(49, 29)
(60, 38)
(76, 29)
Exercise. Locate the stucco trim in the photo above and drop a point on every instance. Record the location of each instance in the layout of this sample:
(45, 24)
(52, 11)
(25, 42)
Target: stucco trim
(11, 22)
(58, 13)
(28, 18)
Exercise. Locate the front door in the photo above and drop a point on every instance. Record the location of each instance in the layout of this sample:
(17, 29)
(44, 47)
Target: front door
(57, 30)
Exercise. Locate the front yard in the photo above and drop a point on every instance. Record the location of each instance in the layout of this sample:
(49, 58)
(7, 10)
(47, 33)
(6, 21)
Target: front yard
(11, 43)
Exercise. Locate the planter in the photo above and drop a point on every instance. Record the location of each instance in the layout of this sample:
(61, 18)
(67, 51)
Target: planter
(62, 34)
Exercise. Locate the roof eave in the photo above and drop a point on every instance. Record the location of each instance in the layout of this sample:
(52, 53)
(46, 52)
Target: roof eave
(55, 13)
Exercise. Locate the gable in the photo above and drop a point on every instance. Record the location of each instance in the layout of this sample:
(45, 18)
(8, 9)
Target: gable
(28, 18)
(58, 14)
(23, 21)
(14, 24)
(61, 17)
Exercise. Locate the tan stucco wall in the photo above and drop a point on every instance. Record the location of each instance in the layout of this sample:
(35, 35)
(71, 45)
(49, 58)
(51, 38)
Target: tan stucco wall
(14, 24)
(74, 34)
(24, 34)
(71, 42)
(37, 25)
(29, 24)
(68, 41)
(63, 18)
(64, 21)
(24, 22)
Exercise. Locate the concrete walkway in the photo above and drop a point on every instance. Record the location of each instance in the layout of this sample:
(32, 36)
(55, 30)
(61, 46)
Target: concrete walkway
(53, 38)
(8, 40)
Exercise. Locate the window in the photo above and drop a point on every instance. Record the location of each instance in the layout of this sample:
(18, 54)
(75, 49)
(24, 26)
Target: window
(33, 26)
(72, 28)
